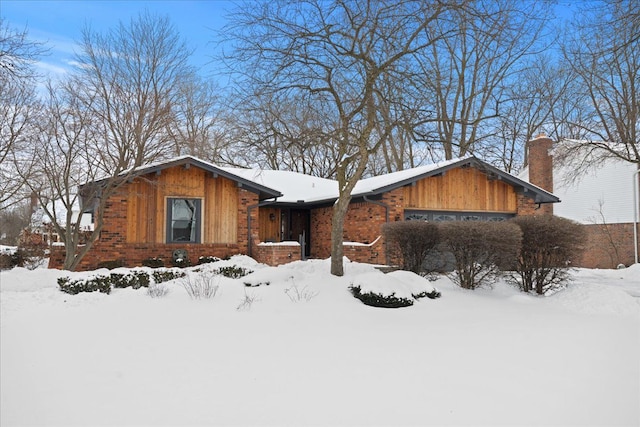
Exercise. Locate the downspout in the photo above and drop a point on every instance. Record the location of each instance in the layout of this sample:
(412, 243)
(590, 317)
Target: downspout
(249, 209)
(386, 219)
(635, 214)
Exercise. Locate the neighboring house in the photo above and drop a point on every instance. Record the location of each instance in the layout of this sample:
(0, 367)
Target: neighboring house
(41, 228)
(599, 196)
(279, 216)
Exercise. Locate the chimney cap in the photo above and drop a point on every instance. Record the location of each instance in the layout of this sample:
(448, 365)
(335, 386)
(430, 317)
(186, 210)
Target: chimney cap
(541, 135)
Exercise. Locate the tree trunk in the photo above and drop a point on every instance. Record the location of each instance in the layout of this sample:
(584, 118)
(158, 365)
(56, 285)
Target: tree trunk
(337, 226)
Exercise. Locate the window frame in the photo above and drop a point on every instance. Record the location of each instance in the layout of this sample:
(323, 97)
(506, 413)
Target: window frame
(169, 220)
(437, 216)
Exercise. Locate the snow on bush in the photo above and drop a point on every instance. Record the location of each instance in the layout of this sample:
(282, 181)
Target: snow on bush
(391, 290)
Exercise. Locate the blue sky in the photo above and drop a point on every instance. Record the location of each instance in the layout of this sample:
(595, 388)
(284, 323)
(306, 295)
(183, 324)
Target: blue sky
(59, 23)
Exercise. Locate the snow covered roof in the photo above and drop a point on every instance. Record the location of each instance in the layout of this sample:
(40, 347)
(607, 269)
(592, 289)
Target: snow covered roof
(292, 187)
(295, 187)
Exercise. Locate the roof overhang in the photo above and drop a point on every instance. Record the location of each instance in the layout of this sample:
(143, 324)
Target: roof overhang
(262, 191)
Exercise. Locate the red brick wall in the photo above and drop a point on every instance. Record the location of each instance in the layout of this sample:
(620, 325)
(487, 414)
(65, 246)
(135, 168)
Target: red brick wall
(527, 206)
(277, 254)
(607, 246)
(112, 244)
(363, 224)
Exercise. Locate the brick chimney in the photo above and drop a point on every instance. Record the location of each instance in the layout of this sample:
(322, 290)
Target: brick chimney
(540, 164)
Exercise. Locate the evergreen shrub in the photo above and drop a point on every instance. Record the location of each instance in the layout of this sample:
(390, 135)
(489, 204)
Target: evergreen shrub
(153, 262)
(233, 271)
(111, 264)
(92, 284)
(134, 279)
(207, 259)
(377, 300)
(160, 276)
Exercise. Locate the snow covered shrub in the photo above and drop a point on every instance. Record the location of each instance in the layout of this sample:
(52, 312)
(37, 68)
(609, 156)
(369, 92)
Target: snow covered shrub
(92, 284)
(233, 271)
(111, 264)
(181, 262)
(207, 259)
(412, 240)
(153, 262)
(200, 286)
(549, 244)
(134, 279)
(378, 300)
(434, 294)
(480, 249)
(160, 276)
(157, 290)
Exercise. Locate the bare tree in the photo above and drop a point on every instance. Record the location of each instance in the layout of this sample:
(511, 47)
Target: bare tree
(19, 113)
(198, 127)
(282, 135)
(18, 104)
(59, 160)
(533, 104)
(603, 53)
(130, 78)
(464, 76)
(332, 56)
(108, 118)
(17, 53)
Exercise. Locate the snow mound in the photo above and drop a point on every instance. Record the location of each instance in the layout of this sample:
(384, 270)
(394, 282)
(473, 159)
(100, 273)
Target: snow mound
(593, 298)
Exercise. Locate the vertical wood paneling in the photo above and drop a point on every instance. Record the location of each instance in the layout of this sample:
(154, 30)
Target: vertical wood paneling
(147, 201)
(459, 189)
(221, 211)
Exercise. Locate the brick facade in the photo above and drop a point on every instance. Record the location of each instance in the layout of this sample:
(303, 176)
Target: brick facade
(112, 244)
(277, 253)
(362, 225)
(607, 246)
(362, 231)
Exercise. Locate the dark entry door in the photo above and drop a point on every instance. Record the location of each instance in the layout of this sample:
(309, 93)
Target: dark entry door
(296, 223)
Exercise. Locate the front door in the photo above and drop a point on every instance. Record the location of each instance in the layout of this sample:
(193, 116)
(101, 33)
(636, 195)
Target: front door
(295, 223)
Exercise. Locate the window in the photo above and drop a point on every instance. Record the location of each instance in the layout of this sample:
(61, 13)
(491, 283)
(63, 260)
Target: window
(436, 216)
(184, 219)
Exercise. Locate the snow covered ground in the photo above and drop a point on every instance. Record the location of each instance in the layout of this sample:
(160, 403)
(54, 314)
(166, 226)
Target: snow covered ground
(484, 357)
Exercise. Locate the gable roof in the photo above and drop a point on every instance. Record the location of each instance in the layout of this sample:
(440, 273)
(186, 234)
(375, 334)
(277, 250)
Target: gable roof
(301, 188)
(287, 187)
(263, 191)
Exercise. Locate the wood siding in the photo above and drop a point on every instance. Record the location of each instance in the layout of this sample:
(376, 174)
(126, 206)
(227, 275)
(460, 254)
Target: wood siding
(147, 201)
(269, 230)
(461, 189)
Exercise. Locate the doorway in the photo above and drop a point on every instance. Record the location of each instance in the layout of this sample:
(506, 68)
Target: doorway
(295, 224)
